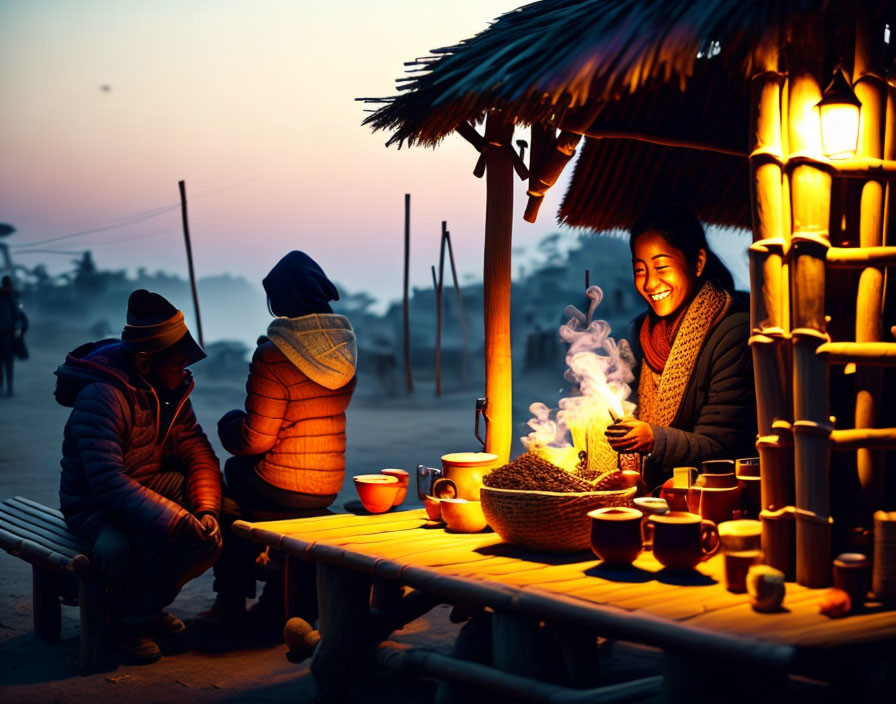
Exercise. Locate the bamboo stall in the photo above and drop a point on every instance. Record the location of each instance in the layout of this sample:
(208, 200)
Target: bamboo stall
(718, 105)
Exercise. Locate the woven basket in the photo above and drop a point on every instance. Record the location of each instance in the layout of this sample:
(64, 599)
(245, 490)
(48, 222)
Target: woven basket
(547, 520)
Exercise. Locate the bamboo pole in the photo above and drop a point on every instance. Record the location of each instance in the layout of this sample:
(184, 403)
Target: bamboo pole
(810, 195)
(769, 323)
(872, 92)
(465, 333)
(182, 186)
(437, 285)
(406, 306)
(496, 287)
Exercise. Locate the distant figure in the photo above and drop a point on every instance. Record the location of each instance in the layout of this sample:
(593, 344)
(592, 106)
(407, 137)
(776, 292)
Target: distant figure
(696, 399)
(289, 442)
(139, 477)
(13, 325)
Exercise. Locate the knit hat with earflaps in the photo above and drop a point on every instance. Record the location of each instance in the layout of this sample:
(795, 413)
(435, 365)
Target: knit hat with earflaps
(153, 325)
(297, 286)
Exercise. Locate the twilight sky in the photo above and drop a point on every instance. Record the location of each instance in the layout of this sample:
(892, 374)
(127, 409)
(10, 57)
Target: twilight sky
(107, 104)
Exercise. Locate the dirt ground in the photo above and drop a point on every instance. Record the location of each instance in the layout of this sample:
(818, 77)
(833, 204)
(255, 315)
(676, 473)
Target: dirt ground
(382, 432)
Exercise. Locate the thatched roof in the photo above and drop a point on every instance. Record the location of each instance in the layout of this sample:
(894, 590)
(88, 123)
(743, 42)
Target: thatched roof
(674, 69)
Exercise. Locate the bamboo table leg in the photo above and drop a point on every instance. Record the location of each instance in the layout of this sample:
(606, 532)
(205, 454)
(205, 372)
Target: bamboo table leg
(47, 613)
(344, 604)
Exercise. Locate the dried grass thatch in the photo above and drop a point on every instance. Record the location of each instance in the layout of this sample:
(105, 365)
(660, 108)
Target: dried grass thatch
(544, 58)
(671, 71)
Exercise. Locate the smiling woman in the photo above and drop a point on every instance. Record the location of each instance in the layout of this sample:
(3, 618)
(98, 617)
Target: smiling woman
(695, 377)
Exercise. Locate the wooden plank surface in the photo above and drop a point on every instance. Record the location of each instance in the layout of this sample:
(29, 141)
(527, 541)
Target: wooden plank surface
(481, 568)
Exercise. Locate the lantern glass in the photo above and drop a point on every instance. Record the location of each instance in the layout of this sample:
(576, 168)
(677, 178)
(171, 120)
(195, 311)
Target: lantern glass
(839, 129)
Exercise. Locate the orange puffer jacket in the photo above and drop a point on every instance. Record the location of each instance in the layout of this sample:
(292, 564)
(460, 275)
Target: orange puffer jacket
(300, 382)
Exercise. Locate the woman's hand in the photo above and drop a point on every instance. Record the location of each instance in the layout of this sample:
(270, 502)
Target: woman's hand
(630, 435)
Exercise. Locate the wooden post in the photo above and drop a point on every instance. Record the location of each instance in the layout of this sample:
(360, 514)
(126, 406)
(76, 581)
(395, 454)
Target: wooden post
(183, 212)
(872, 92)
(409, 377)
(465, 333)
(496, 287)
(810, 193)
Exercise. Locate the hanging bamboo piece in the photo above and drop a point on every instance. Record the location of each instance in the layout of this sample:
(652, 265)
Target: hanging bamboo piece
(406, 307)
(496, 287)
(872, 92)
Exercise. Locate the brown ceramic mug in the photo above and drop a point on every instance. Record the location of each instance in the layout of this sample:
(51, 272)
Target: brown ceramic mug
(715, 504)
(616, 533)
(681, 540)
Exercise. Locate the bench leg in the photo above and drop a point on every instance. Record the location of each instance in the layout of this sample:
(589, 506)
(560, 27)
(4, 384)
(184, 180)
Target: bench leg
(47, 612)
(92, 603)
(344, 603)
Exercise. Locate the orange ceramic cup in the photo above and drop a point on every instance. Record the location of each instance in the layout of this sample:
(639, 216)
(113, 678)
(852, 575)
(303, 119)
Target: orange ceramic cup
(403, 481)
(466, 470)
(376, 491)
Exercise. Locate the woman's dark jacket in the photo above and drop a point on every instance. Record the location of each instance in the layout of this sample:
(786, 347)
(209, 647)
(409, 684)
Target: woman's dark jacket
(717, 415)
(118, 436)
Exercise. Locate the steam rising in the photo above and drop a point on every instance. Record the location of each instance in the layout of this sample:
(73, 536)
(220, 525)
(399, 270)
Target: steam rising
(600, 371)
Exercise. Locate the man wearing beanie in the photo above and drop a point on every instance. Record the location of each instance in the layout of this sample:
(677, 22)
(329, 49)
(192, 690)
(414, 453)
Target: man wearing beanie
(139, 477)
(289, 442)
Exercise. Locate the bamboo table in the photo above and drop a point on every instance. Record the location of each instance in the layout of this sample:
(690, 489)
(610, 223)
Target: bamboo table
(708, 634)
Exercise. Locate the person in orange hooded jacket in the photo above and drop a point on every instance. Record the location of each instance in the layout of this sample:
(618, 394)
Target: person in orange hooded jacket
(289, 442)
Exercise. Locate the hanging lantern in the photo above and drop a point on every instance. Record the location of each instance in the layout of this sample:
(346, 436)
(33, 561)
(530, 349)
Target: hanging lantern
(838, 111)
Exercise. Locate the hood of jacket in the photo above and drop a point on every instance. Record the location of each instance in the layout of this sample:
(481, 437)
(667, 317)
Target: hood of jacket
(104, 361)
(322, 346)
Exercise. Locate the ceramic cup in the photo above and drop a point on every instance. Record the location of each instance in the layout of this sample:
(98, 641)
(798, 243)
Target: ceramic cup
(852, 574)
(715, 504)
(616, 533)
(376, 491)
(737, 564)
(433, 508)
(403, 481)
(717, 467)
(650, 506)
(675, 496)
(463, 516)
(746, 467)
(741, 535)
(466, 470)
(682, 540)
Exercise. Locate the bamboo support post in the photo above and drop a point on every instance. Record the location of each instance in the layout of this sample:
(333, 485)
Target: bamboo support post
(406, 306)
(496, 287)
(871, 90)
(810, 197)
(776, 467)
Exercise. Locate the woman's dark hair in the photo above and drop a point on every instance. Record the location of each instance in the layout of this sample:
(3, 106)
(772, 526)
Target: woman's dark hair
(681, 229)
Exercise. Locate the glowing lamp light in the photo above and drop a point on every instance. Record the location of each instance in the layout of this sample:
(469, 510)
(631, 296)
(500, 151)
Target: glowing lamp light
(838, 111)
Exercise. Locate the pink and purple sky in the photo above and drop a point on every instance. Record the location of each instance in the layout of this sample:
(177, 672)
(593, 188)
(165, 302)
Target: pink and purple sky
(107, 105)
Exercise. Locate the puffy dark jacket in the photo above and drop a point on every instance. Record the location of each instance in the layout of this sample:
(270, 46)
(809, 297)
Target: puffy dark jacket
(717, 415)
(118, 437)
(300, 382)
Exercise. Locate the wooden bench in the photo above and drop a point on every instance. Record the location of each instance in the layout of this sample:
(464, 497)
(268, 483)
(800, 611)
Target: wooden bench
(38, 534)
